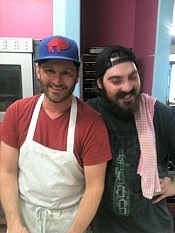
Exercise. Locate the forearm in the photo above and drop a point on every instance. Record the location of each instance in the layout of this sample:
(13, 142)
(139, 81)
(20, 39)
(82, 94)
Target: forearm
(167, 189)
(9, 198)
(87, 209)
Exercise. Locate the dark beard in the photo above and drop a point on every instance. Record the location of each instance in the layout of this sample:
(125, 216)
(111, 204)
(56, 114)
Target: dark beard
(116, 109)
(67, 95)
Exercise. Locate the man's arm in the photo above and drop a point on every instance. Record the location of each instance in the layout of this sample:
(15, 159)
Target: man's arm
(9, 187)
(94, 177)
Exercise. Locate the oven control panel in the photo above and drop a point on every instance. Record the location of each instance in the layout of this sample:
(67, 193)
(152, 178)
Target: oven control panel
(16, 45)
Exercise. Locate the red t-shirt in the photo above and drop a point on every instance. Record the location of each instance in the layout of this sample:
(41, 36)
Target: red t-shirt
(91, 143)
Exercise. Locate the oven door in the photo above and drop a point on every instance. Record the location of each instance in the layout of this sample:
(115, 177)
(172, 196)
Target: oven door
(16, 78)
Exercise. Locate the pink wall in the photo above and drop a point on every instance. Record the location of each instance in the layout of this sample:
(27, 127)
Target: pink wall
(26, 18)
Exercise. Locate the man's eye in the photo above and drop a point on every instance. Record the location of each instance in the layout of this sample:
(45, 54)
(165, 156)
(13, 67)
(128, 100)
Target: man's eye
(50, 71)
(67, 73)
(133, 78)
(116, 81)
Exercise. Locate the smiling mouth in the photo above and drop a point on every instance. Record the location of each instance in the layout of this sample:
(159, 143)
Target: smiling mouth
(127, 97)
(57, 89)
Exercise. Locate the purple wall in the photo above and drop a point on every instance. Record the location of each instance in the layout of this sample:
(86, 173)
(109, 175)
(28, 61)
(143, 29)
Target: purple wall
(107, 22)
(145, 39)
(129, 23)
(19, 18)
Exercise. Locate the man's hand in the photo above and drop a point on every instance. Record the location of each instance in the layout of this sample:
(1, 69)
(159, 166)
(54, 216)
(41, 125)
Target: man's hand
(17, 228)
(167, 189)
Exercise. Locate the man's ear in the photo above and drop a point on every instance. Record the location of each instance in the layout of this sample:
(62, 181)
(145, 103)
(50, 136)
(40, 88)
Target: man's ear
(37, 68)
(99, 83)
(78, 76)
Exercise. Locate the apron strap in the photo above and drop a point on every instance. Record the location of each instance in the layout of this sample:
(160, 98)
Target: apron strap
(72, 124)
(41, 216)
(34, 119)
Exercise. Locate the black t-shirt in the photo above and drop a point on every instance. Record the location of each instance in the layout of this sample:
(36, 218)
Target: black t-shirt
(123, 208)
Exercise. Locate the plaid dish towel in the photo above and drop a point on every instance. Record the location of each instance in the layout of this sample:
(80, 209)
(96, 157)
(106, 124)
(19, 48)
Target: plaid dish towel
(147, 167)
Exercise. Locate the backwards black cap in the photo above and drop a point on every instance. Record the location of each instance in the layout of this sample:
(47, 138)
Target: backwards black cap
(104, 60)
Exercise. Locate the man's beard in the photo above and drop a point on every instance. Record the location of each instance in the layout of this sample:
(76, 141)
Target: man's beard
(116, 109)
(56, 99)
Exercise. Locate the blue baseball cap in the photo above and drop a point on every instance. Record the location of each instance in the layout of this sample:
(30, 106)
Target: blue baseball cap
(58, 47)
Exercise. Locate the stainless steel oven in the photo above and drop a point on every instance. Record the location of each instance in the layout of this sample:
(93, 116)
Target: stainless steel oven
(16, 71)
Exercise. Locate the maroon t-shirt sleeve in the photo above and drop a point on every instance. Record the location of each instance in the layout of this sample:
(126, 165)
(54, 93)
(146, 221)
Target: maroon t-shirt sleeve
(9, 132)
(97, 147)
(15, 124)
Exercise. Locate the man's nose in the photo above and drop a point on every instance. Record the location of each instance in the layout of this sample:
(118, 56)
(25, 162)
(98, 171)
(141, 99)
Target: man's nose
(126, 86)
(58, 77)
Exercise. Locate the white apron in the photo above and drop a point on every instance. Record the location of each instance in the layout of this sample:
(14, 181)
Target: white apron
(51, 182)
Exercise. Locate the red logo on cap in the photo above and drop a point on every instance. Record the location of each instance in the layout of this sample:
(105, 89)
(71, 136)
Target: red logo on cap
(59, 43)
